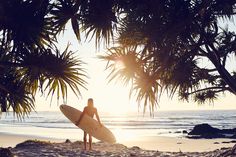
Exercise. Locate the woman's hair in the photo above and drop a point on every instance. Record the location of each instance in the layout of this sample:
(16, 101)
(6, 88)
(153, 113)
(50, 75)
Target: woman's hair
(90, 102)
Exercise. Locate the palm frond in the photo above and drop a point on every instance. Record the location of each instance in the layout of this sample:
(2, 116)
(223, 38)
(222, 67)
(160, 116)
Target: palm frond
(63, 11)
(25, 24)
(123, 63)
(128, 67)
(147, 90)
(52, 72)
(98, 20)
(14, 95)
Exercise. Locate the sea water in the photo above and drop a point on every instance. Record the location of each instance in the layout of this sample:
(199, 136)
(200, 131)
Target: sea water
(134, 125)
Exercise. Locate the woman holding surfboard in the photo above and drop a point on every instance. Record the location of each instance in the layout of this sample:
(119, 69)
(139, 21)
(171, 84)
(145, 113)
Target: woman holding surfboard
(90, 110)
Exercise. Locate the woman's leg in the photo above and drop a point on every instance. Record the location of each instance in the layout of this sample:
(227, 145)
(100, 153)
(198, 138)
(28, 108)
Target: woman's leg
(90, 142)
(85, 140)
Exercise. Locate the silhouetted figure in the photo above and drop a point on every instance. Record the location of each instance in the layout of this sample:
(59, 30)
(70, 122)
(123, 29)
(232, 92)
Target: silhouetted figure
(90, 110)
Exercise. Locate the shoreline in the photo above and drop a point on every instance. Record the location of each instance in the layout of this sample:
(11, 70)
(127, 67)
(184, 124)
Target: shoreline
(158, 143)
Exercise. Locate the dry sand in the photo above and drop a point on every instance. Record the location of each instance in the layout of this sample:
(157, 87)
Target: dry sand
(11, 140)
(176, 144)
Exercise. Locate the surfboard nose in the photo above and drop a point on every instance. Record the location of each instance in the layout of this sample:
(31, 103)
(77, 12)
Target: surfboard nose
(62, 106)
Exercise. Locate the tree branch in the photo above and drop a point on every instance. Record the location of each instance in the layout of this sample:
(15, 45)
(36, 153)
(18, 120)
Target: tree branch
(209, 70)
(209, 88)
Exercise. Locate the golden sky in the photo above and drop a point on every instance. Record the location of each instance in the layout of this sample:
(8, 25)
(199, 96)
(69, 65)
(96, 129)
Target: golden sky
(114, 98)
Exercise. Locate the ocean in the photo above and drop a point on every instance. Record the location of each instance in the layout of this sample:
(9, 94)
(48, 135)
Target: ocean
(126, 126)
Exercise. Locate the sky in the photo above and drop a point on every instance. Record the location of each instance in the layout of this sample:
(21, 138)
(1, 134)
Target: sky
(113, 97)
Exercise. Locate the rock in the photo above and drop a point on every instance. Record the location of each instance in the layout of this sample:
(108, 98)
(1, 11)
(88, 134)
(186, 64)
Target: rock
(234, 149)
(135, 147)
(216, 143)
(207, 131)
(5, 152)
(228, 131)
(29, 143)
(185, 132)
(234, 136)
(225, 142)
(203, 129)
(133, 154)
(229, 152)
(67, 141)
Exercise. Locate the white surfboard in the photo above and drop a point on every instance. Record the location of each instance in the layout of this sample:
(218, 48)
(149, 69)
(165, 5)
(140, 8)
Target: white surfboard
(88, 124)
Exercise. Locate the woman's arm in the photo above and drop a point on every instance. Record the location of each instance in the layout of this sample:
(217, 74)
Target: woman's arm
(97, 116)
(80, 118)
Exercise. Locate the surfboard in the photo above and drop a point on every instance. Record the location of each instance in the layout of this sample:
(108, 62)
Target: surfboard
(88, 124)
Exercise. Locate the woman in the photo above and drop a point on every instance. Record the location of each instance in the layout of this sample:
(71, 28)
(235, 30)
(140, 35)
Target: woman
(90, 110)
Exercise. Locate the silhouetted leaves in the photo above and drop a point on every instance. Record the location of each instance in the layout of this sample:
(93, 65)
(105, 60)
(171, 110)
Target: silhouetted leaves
(98, 20)
(29, 59)
(158, 45)
(180, 45)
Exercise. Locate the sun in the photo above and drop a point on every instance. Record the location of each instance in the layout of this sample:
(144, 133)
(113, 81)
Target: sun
(109, 97)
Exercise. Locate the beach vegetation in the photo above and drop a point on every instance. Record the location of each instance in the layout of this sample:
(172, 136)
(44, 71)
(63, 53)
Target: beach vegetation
(183, 48)
(30, 61)
(180, 47)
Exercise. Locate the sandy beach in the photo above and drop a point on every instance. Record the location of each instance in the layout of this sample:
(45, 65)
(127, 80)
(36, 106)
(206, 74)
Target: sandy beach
(45, 133)
(26, 146)
(145, 78)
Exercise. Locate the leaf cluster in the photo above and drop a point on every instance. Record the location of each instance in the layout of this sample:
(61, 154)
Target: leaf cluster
(167, 45)
(29, 58)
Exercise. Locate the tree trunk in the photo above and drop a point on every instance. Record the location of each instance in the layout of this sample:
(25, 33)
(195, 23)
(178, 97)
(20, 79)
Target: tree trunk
(225, 75)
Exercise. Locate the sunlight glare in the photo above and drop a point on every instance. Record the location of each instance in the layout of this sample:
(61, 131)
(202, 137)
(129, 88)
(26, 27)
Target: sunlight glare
(119, 64)
(124, 135)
